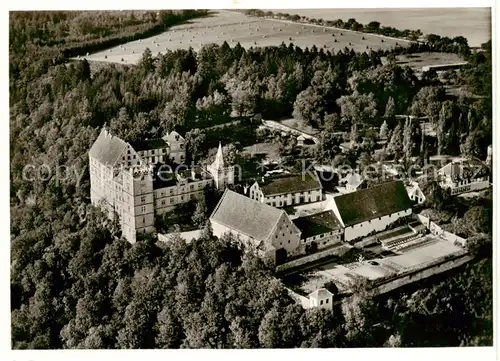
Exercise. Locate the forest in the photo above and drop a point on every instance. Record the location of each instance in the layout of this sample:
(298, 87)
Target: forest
(76, 284)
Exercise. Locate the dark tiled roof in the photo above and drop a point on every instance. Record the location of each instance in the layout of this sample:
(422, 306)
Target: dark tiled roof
(290, 183)
(374, 202)
(246, 216)
(107, 148)
(156, 143)
(318, 223)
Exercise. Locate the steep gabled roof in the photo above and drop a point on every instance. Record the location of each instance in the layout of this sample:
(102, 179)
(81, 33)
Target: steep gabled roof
(107, 148)
(246, 216)
(377, 201)
(290, 183)
(173, 136)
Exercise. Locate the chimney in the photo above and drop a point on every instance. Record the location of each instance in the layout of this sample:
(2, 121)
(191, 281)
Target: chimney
(245, 189)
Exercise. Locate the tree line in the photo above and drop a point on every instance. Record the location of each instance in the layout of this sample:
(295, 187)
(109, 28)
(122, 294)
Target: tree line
(75, 283)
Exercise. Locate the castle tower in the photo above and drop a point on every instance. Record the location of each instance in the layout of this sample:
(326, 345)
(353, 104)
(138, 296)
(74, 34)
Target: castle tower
(222, 175)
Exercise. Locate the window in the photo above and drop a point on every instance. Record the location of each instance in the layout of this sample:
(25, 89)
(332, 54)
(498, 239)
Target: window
(128, 157)
(326, 301)
(288, 241)
(163, 202)
(134, 156)
(191, 186)
(321, 302)
(182, 198)
(171, 200)
(143, 209)
(171, 191)
(143, 199)
(152, 152)
(164, 151)
(128, 151)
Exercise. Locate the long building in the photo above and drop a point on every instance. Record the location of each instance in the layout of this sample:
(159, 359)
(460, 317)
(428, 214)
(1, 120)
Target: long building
(371, 210)
(139, 180)
(288, 189)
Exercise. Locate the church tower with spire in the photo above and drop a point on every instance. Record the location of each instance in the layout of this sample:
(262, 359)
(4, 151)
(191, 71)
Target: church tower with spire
(221, 174)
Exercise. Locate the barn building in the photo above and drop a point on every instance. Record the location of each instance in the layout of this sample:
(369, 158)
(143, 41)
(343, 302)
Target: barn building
(371, 210)
(266, 229)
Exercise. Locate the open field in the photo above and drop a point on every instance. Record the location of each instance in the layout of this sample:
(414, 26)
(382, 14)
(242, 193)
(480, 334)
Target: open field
(300, 125)
(235, 27)
(417, 61)
(269, 149)
(472, 23)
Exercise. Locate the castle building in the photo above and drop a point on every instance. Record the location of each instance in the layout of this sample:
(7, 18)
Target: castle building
(138, 180)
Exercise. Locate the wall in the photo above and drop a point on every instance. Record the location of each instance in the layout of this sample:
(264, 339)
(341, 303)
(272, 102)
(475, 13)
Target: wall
(473, 186)
(438, 231)
(324, 240)
(374, 225)
(286, 235)
(325, 302)
(309, 258)
(289, 199)
(417, 275)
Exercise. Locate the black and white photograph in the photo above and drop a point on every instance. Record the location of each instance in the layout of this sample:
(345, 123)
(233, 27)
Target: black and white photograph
(251, 178)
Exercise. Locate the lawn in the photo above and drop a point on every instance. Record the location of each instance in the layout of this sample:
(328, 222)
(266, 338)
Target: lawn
(234, 27)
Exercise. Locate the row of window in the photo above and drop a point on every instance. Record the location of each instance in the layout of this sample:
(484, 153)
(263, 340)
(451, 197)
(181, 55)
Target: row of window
(321, 302)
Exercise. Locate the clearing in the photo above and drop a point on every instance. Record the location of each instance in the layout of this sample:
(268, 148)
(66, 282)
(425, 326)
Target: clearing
(234, 27)
(417, 61)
